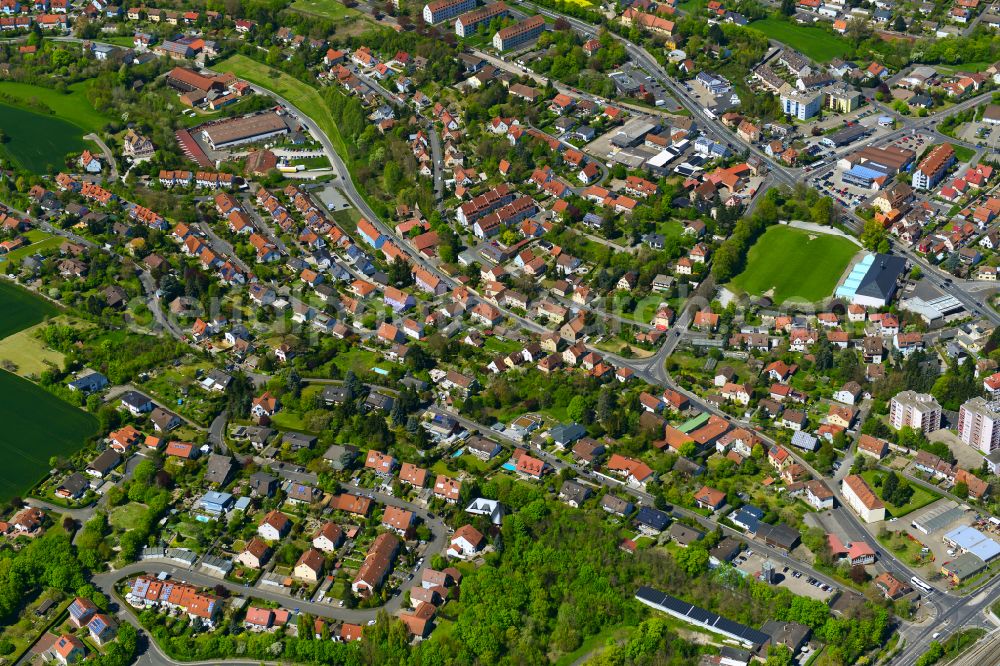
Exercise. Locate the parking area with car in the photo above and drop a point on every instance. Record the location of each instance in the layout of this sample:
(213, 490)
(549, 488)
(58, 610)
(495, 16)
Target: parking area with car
(798, 582)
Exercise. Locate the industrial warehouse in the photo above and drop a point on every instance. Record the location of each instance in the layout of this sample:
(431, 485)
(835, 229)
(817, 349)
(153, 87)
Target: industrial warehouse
(248, 129)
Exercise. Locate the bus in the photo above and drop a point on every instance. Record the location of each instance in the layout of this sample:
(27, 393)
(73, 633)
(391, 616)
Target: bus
(921, 584)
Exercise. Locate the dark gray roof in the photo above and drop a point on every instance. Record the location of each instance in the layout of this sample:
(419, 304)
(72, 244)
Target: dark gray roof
(135, 399)
(298, 440)
(684, 535)
(780, 535)
(568, 433)
(726, 549)
(75, 483)
(219, 468)
(261, 483)
(880, 280)
(791, 634)
(654, 518)
(106, 461)
(573, 491)
(672, 604)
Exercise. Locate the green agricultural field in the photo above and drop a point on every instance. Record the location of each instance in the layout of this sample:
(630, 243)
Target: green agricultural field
(21, 309)
(37, 142)
(37, 426)
(71, 106)
(789, 263)
(815, 43)
(303, 96)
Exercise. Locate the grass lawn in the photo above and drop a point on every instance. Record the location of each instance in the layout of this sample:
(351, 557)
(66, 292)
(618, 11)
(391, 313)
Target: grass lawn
(21, 309)
(305, 97)
(37, 426)
(348, 220)
(921, 496)
(970, 67)
(790, 263)
(28, 353)
(126, 517)
(288, 421)
(616, 345)
(472, 464)
(37, 142)
(960, 641)
(124, 41)
(330, 9)
(815, 43)
(963, 154)
(498, 346)
(361, 361)
(905, 549)
(30, 626)
(48, 242)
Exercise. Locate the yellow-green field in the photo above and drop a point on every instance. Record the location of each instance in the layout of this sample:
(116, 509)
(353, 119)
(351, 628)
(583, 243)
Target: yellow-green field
(28, 353)
(330, 9)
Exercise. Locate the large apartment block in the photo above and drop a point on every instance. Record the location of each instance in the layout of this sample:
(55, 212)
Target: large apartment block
(932, 168)
(979, 424)
(519, 33)
(915, 410)
(799, 104)
(469, 22)
(442, 10)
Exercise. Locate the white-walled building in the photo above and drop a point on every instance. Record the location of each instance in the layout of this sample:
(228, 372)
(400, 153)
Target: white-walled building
(919, 411)
(979, 424)
(862, 499)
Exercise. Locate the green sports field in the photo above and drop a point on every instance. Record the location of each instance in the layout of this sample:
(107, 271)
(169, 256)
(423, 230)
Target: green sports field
(788, 263)
(814, 43)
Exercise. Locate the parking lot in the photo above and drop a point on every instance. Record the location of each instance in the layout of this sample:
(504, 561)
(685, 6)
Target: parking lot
(798, 582)
(984, 135)
(830, 182)
(661, 97)
(832, 185)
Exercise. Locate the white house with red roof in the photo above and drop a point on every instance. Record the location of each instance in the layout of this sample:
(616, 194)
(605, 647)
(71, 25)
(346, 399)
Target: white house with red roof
(466, 542)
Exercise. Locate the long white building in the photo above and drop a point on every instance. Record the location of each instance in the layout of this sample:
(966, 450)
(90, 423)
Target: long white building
(862, 499)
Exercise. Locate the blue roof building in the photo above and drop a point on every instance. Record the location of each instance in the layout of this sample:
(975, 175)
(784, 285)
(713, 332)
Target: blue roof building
(215, 503)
